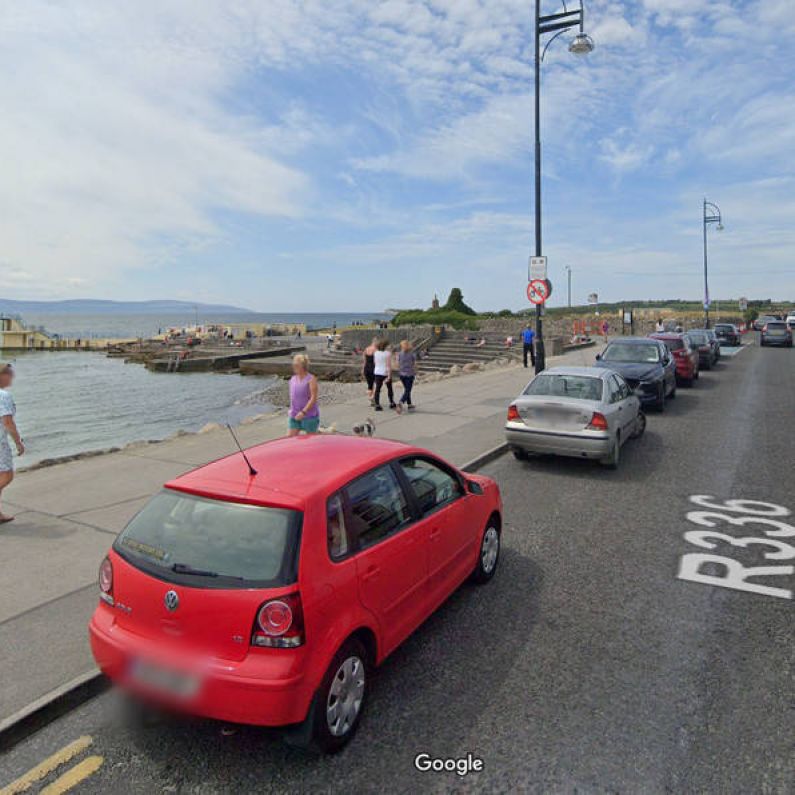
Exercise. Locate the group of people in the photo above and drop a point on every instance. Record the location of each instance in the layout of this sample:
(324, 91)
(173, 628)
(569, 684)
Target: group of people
(379, 363)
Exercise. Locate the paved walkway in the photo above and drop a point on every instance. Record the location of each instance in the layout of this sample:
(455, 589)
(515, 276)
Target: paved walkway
(68, 514)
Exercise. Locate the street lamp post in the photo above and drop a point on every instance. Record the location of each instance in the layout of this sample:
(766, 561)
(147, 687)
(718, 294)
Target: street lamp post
(711, 216)
(582, 44)
(568, 275)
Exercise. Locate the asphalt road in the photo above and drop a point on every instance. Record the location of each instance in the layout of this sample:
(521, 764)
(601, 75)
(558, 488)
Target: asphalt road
(587, 665)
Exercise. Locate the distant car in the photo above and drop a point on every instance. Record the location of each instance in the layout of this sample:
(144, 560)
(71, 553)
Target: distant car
(685, 356)
(706, 351)
(267, 596)
(728, 334)
(579, 412)
(776, 332)
(646, 365)
(763, 320)
(790, 321)
(714, 342)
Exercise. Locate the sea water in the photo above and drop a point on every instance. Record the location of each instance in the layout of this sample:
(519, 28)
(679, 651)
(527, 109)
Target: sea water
(73, 401)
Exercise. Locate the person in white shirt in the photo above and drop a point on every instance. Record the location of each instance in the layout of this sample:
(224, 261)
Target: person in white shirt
(660, 326)
(383, 374)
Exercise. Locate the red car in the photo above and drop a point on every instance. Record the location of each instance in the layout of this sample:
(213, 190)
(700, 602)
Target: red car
(266, 598)
(685, 357)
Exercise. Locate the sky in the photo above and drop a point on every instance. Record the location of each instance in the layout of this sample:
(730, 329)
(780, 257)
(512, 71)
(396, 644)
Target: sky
(354, 155)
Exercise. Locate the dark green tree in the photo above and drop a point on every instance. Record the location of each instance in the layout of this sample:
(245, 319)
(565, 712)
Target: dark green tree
(455, 303)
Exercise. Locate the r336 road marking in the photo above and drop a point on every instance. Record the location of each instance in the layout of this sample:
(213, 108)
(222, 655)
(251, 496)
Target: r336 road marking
(733, 574)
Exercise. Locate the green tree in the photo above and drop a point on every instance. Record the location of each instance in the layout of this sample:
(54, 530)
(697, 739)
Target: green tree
(455, 303)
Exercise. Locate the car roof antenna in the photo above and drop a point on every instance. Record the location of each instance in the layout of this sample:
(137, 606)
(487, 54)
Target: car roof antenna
(251, 470)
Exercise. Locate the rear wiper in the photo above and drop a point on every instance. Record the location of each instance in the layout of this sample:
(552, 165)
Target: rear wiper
(184, 568)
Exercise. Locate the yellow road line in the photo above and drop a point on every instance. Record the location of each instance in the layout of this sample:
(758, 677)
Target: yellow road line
(74, 776)
(46, 767)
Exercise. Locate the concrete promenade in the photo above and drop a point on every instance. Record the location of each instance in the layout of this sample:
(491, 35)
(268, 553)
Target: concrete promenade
(67, 516)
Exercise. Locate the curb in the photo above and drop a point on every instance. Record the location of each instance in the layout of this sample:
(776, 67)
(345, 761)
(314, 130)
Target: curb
(71, 695)
(49, 707)
(485, 458)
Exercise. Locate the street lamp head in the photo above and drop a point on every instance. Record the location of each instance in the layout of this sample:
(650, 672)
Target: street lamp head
(582, 44)
(720, 227)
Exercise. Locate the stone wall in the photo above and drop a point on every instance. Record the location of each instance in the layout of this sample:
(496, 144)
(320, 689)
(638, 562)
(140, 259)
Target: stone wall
(361, 338)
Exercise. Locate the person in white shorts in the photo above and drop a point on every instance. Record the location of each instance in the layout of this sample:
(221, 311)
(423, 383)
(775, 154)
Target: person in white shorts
(8, 432)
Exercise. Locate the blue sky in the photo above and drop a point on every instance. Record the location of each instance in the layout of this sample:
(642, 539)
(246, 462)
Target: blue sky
(290, 155)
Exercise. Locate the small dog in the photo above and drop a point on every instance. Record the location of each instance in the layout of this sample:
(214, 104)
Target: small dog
(366, 428)
(328, 430)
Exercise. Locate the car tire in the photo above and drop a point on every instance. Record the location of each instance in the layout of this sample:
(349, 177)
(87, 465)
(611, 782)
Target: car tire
(696, 375)
(640, 425)
(489, 553)
(520, 455)
(659, 404)
(672, 396)
(612, 460)
(345, 684)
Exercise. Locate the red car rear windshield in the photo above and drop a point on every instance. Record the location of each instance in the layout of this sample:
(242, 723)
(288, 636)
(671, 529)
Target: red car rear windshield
(212, 543)
(674, 345)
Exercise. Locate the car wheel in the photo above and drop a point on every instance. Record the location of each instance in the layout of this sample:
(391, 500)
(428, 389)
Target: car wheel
(673, 392)
(489, 555)
(696, 374)
(520, 455)
(660, 404)
(612, 461)
(640, 425)
(338, 704)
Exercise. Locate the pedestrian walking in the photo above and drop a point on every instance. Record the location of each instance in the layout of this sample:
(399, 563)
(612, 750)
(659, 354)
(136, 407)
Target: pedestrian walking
(368, 368)
(383, 374)
(8, 431)
(304, 411)
(407, 367)
(660, 327)
(605, 329)
(528, 338)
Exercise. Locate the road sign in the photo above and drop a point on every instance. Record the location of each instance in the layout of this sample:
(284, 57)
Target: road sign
(537, 269)
(538, 291)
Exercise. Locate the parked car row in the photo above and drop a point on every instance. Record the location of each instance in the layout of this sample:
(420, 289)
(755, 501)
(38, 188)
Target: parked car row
(591, 412)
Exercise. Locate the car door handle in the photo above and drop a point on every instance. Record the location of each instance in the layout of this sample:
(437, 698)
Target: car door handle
(434, 533)
(370, 574)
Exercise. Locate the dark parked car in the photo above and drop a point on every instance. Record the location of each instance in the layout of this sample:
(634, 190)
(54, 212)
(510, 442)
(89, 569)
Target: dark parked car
(727, 334)
(701, 343)
(713, 341)
(646, 365)
(776, 332)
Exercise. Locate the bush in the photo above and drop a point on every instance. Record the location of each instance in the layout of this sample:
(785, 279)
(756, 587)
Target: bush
(434, 317)
(455, 303)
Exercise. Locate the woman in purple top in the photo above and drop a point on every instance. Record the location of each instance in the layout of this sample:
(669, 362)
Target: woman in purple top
(304, 411)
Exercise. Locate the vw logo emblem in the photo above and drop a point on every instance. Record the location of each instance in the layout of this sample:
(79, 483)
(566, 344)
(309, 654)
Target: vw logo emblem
(171, 600)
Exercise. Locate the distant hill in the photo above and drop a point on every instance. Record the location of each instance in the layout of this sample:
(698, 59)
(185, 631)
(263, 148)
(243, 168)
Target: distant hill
(89, 306)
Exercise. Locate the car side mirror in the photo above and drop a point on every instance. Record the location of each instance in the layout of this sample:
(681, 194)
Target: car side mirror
(473, 487)
(598, 357)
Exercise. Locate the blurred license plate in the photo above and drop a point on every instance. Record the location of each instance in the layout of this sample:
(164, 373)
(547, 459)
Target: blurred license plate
(164, 680)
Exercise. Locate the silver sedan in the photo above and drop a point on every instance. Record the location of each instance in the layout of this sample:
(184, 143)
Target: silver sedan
(581, 412)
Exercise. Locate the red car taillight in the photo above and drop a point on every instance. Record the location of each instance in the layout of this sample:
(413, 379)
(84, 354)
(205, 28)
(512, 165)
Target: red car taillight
(280, 623)
(597, 423)
(106, 581)
(513, 414)
(680, 353)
